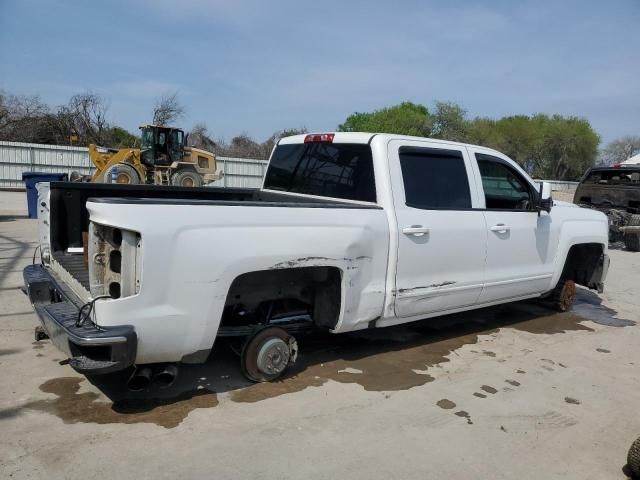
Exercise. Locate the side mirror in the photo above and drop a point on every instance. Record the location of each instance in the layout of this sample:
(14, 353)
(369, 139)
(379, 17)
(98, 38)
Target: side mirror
(185, 142)
(545, 202)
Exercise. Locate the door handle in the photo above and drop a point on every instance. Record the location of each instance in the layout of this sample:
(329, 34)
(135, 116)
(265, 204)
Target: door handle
(501, 228)
(415, 230)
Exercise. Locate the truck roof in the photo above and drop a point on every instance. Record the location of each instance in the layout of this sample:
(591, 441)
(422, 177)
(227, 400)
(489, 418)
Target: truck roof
(366, 137)
(618, 167)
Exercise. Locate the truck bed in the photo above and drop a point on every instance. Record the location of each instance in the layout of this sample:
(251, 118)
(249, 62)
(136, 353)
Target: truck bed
(69, 218)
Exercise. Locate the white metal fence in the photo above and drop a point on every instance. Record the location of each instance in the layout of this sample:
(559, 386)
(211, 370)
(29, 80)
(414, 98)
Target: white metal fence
(241, 172)
(16, 158)
(561, 185)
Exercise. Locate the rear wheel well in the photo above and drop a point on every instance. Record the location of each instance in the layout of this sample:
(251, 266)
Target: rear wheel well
(583, 263)
(277, 296)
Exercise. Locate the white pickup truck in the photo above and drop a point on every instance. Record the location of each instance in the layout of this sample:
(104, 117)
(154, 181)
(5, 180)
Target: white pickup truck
(350, 231)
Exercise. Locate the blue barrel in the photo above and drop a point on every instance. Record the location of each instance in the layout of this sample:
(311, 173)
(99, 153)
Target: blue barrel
(30, 179)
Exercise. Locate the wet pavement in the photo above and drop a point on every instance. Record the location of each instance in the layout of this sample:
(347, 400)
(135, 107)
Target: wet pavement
(518, 391)
(390, 359)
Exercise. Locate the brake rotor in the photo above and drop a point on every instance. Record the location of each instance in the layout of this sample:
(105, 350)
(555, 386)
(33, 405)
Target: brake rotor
(266, 355)
(273, 356)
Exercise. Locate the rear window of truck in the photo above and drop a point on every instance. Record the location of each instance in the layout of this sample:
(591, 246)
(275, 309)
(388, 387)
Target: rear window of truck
(337, 170)
(615, 176)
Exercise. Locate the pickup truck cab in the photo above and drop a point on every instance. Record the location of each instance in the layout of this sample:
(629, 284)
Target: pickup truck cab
(350, 231)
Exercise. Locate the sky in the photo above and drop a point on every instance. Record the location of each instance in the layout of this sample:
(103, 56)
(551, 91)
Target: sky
(255, 67)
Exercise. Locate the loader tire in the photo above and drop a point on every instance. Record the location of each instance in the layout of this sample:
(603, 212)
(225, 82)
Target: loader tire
(125, 174)
(633, 460)
(186, 178)
(632, 239)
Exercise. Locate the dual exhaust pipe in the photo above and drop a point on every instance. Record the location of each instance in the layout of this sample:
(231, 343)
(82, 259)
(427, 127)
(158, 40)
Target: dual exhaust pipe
(141, 377)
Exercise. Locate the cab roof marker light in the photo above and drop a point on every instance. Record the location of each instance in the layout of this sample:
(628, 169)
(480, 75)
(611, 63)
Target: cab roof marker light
(319, 137)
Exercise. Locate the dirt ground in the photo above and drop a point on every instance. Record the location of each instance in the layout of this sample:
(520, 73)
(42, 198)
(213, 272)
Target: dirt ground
(564, 195)
(516, 392)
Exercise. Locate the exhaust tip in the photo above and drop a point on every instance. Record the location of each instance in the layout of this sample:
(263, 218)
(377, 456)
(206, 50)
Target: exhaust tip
(140, 379)
(166, 376)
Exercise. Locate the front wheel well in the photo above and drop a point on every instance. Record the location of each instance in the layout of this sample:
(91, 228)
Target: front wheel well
(583, 264)
(273, 296)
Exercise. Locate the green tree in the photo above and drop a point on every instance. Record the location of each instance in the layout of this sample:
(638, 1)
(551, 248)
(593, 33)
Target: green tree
(406, 119)
(569, 147)
(118, 137)
(555, 148)
(449, 122)
(520, 137)
(484, 131)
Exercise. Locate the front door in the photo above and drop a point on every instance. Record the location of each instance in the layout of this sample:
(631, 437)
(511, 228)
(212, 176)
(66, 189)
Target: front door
(521, 243)
(441, 239)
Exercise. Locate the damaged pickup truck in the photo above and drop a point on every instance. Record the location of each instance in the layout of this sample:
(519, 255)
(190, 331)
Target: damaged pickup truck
(615, 191)
(350, 231)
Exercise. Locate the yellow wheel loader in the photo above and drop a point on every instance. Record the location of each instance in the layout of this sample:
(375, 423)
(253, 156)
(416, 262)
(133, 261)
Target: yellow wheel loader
(163, 159)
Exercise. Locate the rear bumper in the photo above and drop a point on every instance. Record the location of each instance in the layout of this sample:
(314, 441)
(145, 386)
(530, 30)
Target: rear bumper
(91, 349)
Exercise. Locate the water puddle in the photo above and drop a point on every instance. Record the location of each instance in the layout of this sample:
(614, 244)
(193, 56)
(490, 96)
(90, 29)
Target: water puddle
(391, 359)
(446, 404)
(398, 358)
(589, 306)
(464, 414)
(488, 389)
(87, 407)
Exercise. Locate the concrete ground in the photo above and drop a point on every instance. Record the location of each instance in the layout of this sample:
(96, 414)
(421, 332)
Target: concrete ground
(517, 392)
(13, 203)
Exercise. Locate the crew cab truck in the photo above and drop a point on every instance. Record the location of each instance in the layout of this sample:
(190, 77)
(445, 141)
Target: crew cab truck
(349, 231)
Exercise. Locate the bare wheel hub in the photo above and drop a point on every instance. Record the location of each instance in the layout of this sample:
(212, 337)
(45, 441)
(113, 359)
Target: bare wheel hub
(123, 178)
(273, 356)
(567, 295)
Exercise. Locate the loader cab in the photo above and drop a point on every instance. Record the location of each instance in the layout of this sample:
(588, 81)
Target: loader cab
(161, 146)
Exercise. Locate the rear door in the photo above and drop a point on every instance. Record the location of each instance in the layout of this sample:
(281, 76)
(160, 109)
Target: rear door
(441, 238)
(521, 241)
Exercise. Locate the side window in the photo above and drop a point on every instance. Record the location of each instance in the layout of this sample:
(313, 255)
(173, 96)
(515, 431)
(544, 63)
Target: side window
(504, 188)
(434, 178)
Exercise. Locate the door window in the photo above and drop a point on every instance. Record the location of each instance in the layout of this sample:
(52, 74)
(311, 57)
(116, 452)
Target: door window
(504, 188)
(434, 178)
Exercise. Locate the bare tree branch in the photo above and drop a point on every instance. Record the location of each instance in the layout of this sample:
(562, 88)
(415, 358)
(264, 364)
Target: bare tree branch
(617, 151)
(167, 110)
(200, 137)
